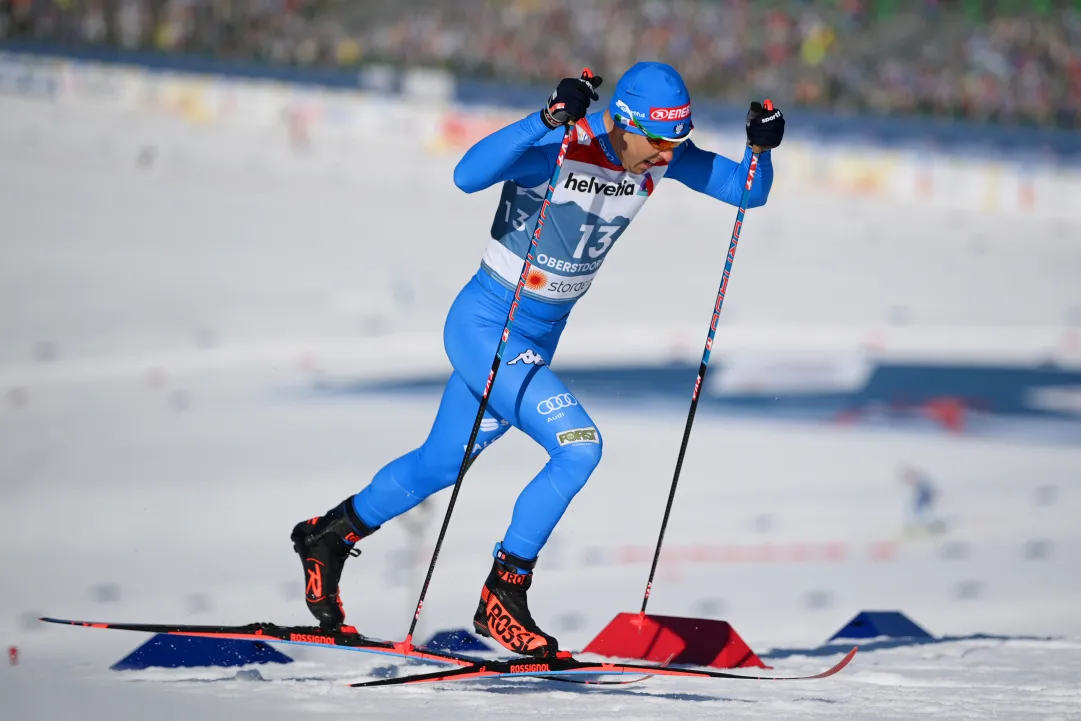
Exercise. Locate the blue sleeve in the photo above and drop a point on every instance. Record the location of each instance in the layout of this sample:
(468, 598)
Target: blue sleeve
(717, 176)
(523, 152)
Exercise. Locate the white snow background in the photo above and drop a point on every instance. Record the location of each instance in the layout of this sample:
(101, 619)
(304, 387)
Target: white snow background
(170, 293)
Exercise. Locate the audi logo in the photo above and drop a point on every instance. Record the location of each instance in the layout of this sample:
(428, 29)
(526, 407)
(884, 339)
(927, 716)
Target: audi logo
(553, 404)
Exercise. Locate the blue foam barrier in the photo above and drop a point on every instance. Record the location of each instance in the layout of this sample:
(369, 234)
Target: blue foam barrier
(456, 640)
(170, 651)
(873, 624)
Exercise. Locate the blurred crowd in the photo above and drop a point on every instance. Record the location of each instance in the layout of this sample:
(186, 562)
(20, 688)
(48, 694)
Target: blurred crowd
(999, 61)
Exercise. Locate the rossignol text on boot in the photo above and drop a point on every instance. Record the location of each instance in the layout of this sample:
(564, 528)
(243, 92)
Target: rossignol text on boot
(503, 612)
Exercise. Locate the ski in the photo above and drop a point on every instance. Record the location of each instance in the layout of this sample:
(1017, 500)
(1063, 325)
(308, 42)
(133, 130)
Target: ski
(348, 638)
(561, 667)
(596, 682)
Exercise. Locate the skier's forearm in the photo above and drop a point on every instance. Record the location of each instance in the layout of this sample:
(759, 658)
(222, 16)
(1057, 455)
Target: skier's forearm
(763, 181)
(723, 178)
(506, 154)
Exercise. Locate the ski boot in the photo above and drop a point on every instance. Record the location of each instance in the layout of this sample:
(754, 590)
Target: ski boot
(323, 544)
(503, 612)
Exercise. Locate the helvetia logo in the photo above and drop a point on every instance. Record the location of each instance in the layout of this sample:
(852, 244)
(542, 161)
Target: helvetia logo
(590, 185)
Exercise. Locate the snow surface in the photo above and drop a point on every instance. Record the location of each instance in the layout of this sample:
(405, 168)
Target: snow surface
(960, 680)
(161, 327)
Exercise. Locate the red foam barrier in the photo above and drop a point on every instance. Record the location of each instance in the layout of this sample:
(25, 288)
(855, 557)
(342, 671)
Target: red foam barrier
(673, 639)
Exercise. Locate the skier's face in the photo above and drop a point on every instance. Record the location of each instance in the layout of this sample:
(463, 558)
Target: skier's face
(639, 155)
(638, 152)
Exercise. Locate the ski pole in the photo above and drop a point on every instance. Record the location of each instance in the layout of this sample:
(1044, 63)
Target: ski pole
(705, 363)
(527, 265)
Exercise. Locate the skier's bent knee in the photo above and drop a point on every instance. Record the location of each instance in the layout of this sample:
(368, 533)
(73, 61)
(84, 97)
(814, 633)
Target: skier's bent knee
(573, 464)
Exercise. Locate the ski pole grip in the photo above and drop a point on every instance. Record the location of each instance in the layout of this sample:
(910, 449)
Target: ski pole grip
(593, 80)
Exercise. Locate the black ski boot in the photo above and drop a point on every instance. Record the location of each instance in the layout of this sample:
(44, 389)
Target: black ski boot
(503, 613)
(323, 544)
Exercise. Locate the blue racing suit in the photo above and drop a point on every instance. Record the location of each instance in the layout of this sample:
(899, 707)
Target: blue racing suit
(594, 201)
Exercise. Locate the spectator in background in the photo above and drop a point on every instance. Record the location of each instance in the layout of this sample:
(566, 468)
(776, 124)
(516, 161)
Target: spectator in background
(997, 61)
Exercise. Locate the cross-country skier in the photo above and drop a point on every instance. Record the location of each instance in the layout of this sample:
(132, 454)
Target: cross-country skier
(614, 162)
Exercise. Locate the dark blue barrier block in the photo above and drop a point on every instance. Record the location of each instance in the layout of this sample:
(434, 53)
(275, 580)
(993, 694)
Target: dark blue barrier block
(168, 651)
(872, 624)
(456, 640)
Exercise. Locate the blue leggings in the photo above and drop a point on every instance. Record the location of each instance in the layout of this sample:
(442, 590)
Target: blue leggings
(527, 395)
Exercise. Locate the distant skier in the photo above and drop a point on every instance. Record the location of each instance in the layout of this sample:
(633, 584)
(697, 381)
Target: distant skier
(614, 162)
(921, 511)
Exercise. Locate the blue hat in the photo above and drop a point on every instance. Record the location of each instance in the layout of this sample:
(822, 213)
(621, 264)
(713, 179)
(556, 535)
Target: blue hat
(657, 97)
